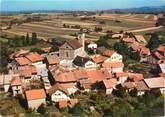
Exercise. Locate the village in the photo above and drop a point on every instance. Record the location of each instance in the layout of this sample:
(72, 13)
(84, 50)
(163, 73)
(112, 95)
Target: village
(56, 76)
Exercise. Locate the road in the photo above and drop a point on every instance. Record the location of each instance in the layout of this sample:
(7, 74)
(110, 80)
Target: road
(145, 29)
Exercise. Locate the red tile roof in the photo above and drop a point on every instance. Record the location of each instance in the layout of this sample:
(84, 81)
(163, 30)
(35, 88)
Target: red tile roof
(161, 48)
(34, 57)
(157, 82)
(65, 77)
(68, 85)
(113, 65)
(141, 86)
(27, 71)
(22, 61)
(136, 76)
(121, 74)
(46, 49)
(97, 75)
(99, 58)
(63, 103)
(52, 60)
(108, 53)
(128, 40)
(158, 55)
(129, 85)
(80, 74)
(16, 81)
(110, 83)
(140, 38)
(35, 94)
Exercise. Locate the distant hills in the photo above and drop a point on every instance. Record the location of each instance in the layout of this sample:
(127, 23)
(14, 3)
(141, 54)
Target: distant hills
(153, 9)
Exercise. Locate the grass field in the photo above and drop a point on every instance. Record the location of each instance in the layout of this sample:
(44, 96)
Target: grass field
(54, 26)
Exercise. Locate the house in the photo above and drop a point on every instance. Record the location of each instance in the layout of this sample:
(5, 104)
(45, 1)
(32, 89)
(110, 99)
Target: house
(16, 85)
(35, 98)
(135, 77)
(85, 85)
(161, 50)
(98, 59)
(80, 74)
(121, 77)
(52, 60)
(98, 75)
(92, 46)
(27, 73)
(140, 39)
(117, 36)
(129, 85)
(156, 83)
(42, 71)
(70, 87)
(63, 104)
(66, 77)
(161, 68)
(58, 93)
(35, 58)
(109, 85)
(128, 40)
(113, 67)
(70, 49)
(141, 87)
(112, 56)
(7, 81)
(84, 62)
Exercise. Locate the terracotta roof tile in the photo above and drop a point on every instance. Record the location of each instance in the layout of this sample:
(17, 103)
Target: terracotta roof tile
(34, 57)
(140, 38)
(161, 48)
(129, 85)
(110, 83)
(63, 103)
(16, 81)
(73, 102)
(158, 55)
(80, 74)
(121, 74)
(35, 94)
(99, 58)
(65, 77)
(113, 65)
(108, 53)
(22, 61)
(74, 43)
(136, 76)
(157, 82)
(56, 87)
(52, 60)
(141, 86)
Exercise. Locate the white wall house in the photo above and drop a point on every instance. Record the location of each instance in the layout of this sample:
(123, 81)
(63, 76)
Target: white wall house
(35, 98)
(115, 57)
(92, 45)
(59, 95)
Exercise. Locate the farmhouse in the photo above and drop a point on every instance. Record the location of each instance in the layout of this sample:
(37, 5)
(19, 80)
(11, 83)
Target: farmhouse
(156, 83)
(84, 62)
(58, 93)
(16, 85)
(109, 85)
(35, 98)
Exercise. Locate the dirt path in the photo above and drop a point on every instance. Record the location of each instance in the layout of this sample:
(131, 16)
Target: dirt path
(145, 29)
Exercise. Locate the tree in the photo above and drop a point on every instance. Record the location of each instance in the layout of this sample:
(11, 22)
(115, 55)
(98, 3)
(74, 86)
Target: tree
(133, 92)
(27, 39)
(23, 39)
(34, 38)
(153, 42)
(41, 109)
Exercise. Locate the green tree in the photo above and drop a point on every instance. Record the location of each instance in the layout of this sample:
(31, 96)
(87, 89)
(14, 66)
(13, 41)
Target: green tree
(42, 109)
(23, 39)
(34, 38)
(27, 39)
(153, 42)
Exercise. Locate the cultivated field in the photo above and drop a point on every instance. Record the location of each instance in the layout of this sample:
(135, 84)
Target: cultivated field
(53, 27)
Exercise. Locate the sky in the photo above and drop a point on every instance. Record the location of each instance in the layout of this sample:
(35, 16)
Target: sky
(25, 5)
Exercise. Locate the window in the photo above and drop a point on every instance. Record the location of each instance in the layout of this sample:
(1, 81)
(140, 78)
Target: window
(67, 54)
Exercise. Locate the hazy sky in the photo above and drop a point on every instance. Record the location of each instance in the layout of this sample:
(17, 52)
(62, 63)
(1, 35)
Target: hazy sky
(18, 5)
